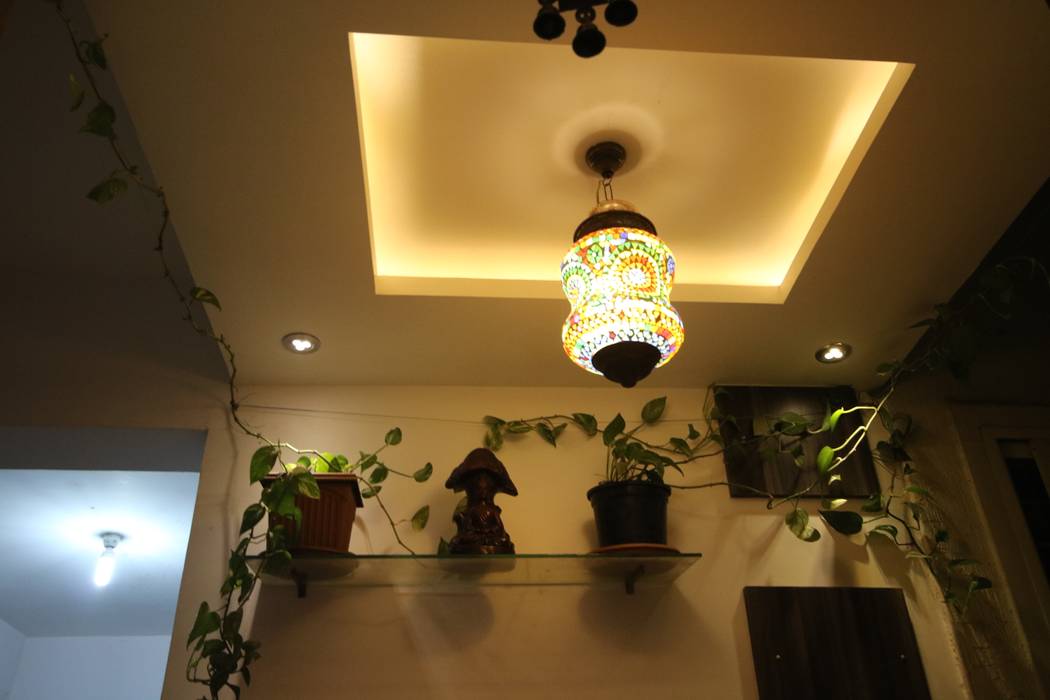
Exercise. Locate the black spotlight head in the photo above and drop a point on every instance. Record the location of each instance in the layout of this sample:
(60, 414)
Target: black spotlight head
(627, 362)
(549, 23)
(620, 13)
(589, 41)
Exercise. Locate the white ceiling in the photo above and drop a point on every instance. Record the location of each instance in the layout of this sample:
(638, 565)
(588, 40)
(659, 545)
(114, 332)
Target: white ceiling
(247, 115)
(739, 160)
(46, 586)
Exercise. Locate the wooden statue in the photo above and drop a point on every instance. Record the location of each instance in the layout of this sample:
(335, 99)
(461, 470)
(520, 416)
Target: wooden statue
(479, 527)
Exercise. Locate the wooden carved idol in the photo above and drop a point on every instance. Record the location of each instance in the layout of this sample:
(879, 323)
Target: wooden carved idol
(479, 529)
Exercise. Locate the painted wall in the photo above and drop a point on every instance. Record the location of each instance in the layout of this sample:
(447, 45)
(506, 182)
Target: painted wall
(689, 640)
(91, 668)
(11, 642)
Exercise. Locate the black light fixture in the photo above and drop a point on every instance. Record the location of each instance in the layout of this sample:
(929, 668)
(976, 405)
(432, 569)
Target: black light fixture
(589, 40)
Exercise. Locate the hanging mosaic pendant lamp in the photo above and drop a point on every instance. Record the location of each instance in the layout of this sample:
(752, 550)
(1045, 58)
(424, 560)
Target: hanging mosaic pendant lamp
(617, 277)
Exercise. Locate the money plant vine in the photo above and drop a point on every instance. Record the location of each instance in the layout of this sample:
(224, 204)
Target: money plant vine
(905, 512)
(219, 654)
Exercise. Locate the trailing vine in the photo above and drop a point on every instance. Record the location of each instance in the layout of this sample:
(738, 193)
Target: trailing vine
(218, 650)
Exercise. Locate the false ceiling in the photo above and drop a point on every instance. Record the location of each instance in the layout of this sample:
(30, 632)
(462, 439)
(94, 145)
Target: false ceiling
(740, 160)
(248, 116)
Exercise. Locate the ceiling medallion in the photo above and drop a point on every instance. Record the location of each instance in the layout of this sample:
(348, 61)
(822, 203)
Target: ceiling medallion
(617, 277)
(589, 40)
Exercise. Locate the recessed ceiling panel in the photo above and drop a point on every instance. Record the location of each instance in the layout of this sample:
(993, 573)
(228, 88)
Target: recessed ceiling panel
(473, 157)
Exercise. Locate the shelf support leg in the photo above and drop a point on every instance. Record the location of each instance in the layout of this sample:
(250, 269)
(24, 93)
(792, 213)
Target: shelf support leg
(632, 577)
(300, 583)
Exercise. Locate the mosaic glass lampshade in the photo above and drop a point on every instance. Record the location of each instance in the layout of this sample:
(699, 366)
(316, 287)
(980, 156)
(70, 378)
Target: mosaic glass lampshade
(617, 277)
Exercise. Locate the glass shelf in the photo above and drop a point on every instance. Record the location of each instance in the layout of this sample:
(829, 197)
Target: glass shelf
(648, 570)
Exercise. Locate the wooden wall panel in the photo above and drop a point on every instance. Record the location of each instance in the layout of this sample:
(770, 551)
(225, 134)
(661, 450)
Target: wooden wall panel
(855, 643)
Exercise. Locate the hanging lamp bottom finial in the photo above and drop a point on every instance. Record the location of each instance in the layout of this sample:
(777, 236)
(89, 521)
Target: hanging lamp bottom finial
(627, 362)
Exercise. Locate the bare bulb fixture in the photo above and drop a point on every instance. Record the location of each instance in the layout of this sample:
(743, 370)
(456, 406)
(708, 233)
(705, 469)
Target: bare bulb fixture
(301, 343)
(833, 352)
(107, 561)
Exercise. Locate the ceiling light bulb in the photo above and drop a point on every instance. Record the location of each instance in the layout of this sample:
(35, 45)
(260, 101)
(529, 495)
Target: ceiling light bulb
(107, 561)
(301, 343)
(834, 352)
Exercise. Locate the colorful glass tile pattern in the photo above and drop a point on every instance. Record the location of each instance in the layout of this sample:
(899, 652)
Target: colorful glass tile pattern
(618, 282)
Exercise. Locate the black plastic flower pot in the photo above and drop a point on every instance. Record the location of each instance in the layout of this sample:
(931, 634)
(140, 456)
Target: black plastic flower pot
(630, 512)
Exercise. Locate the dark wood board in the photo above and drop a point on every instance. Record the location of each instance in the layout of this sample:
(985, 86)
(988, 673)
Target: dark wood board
(754, 409)
(855, 643)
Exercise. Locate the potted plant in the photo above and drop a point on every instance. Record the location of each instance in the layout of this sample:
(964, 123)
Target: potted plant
(320, 516)
(630, 503)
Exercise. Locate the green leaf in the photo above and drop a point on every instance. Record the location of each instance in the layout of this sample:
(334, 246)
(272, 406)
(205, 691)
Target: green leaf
(367, 462)
(252, 515)
(546, 433)
(304, 462)
(206, 623)
(277, 562)
(833, 478)
(76, 93)
(979, 583)
(424, 473)
(493, 421)
(833, 503)
(231, 624)
(681, 446)
(419, 520)
(379, 474)
(693, 432)
(262, 462)
(393, 436)
(845, 521)
(371, 491)
(307, 486)
(917, 490)
(93, 53)
(107, 190)
(824, 459)
(833, 419)
(460, 506)
(873, 504)
(493, 438)
(652, 411)
(798, 522)
(613, 429)
(587, 422)
(205, 296)
(518, 427)
(212, 646)
(100, 121)
(888, 531)
(886, 368)
(443, 547)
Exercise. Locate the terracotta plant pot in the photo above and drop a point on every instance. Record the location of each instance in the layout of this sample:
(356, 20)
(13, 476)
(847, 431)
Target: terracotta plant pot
(630, 513)
(327, 521)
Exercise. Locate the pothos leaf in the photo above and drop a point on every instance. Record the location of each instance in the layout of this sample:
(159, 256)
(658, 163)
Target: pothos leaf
(76, 93)
(614, 428)
(393, 436)
(546, 433)
(262, 462)
(205, 296)
(587, 422)
(419, 520)
(424, 473)
(798, 522)
(100, 121)
(824, 459)
(107, 190)
(845, 521)
(652, 411)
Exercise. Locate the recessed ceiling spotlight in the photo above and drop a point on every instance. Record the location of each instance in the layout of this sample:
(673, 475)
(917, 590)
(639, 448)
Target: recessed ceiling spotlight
(835, 352)
(107, 561)
(301, 343)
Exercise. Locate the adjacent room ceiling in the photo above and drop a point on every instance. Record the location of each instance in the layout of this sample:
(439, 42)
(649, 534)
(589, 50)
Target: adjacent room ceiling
(46, 587)
(248, 116)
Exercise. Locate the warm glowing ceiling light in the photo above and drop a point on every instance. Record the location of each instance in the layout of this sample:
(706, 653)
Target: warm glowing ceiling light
(107, 561)
(617, 277)
(301, 343)
(835, 352)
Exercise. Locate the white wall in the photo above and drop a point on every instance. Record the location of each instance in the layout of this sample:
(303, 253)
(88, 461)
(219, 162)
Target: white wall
(687, 641)
(11, 641)
(91, 668)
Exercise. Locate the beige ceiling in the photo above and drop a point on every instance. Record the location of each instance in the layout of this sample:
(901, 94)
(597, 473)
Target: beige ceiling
(247, 114)
(740, 160)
